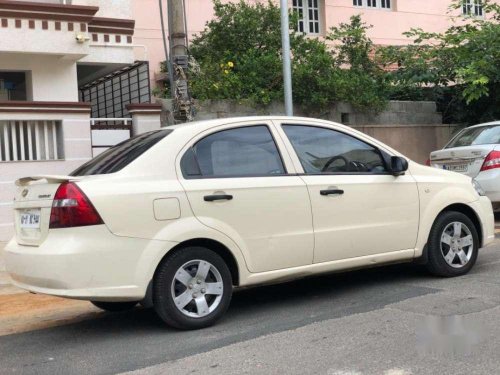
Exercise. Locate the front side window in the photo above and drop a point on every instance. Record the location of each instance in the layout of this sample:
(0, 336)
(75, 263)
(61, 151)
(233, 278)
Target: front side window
(308, 16)
(240, 152)
(472, 8)
(323, 150)
(382, 4)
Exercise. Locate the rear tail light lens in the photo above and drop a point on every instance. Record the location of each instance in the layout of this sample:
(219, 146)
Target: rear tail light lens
(428, 162)
(492, 161)
(72, 208)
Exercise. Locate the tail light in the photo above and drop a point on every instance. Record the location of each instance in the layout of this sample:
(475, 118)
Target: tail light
(428, 162)
(492, 161)
(72, 208)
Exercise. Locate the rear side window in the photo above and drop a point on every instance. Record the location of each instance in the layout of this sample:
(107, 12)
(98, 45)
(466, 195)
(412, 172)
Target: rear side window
(483, 135)
(121, 155)
(240, 152)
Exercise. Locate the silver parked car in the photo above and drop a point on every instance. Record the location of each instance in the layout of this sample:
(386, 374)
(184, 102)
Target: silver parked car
(475, 152)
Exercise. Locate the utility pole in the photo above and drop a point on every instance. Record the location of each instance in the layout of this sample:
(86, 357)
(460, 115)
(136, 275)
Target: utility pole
(179, 60)
(167, 53)
(287, 65)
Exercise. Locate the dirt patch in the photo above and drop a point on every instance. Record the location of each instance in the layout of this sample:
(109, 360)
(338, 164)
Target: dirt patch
(23, 312)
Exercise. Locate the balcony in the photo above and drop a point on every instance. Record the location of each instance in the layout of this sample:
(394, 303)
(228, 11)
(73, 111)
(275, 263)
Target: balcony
(75, 32)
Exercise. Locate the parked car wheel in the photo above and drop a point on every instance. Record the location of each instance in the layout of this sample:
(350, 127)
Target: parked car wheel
(192, 288)
(114, 306)
(453, 245)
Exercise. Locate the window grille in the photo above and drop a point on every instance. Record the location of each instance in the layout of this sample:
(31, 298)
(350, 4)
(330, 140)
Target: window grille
(30, 140)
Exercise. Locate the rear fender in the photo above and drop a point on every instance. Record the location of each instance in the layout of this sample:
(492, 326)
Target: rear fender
(180, 231)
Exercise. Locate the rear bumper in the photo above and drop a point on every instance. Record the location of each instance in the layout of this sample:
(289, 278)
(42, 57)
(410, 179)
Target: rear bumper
(87, 263)
(490, 182)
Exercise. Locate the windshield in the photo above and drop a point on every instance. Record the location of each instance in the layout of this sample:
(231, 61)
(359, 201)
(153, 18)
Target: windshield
(482, 135)
(121, 155)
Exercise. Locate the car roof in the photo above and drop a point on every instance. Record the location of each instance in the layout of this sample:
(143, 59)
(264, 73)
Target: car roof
(207, 124)
(497, 122)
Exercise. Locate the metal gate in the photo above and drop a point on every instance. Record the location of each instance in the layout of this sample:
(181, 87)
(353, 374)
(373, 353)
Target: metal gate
(110, 94)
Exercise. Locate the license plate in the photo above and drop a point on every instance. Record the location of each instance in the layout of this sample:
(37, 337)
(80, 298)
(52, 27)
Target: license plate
(30, 219)
(455, 167)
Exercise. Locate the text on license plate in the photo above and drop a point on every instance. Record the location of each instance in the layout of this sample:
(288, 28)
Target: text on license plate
(455, 167)
(30, 219)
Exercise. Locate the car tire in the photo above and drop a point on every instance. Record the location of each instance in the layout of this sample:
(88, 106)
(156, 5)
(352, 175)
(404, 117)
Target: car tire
(192, 288)
(450, 252)
(114, 306)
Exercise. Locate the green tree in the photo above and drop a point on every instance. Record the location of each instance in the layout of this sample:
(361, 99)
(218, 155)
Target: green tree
(461, 65)
(238, 56)
(360, 80)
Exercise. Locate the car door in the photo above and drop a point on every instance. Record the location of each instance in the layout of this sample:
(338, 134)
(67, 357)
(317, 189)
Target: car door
(359, 208)
(238, 183)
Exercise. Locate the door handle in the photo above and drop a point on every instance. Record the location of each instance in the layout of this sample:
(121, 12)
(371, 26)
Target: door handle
(217, 197)
(331, 192)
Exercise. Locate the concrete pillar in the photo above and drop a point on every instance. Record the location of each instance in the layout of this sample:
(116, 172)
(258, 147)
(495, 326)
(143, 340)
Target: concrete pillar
(145, 117)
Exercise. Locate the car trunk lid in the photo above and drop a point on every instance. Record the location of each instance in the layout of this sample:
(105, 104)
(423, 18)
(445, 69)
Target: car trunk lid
(466, 160)
(32, 207)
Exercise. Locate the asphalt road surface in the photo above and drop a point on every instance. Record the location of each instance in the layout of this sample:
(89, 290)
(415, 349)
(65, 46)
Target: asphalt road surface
(395, 320)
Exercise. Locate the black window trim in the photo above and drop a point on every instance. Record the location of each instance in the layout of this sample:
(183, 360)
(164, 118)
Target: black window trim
(201, 177)
(385, 156)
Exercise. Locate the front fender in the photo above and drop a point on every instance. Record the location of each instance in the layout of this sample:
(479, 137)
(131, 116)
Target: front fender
(435, 199)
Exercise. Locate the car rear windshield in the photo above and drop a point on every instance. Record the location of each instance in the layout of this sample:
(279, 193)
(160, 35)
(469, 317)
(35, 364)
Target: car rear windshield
(483, 135)
(121, 155)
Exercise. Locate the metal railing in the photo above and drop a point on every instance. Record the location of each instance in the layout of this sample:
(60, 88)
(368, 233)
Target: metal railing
(30, 140)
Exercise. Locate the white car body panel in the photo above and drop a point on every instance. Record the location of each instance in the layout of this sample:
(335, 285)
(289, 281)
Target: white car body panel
(275, 241)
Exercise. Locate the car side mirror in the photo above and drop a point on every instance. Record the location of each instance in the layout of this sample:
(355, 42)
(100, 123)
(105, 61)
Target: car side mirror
(399, 165)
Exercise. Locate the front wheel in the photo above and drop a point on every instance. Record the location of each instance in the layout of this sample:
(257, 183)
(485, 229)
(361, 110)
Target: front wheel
(453, 245)
(192, 288)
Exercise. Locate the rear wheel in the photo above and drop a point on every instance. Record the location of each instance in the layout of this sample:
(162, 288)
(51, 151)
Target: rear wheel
(114, 306)
(192, 288)
(453, 245)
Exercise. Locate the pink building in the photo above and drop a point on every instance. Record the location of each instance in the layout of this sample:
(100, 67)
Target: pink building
(390, 19)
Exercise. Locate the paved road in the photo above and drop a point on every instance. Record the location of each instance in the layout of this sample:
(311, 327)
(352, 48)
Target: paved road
(391, 320)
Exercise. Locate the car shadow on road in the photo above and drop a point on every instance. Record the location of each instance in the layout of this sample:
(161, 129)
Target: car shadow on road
(253, 305)
(138, 338)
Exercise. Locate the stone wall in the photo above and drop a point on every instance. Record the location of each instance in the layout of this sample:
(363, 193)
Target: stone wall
(413, 128)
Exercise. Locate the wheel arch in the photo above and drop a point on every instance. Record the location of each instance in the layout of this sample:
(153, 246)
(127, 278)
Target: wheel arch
(456, 207)
(470, 213)
(211, 244)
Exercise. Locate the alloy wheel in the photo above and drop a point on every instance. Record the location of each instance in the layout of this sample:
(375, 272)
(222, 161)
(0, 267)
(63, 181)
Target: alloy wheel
(457, 244)
(197, 288)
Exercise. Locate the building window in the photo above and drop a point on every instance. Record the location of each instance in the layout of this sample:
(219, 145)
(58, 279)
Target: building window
(380, 4)
(308, 12)
(13, 86)
(472, 8)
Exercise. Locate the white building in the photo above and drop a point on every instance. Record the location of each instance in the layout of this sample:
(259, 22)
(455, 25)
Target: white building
(63, 63)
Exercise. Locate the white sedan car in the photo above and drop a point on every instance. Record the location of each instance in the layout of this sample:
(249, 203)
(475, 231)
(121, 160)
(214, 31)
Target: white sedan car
(475, 152)
(176, 218)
